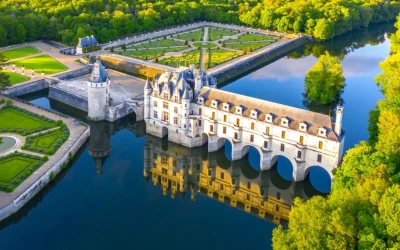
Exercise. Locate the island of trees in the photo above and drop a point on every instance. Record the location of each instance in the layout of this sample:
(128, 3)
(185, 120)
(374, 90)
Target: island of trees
(363, 209)
(66, 21)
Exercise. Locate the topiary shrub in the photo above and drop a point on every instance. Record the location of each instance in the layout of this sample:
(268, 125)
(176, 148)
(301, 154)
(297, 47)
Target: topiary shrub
(2, 101)
(52, 176)
(45, 158)
(9, 189)
(59, 122)
(9, 102)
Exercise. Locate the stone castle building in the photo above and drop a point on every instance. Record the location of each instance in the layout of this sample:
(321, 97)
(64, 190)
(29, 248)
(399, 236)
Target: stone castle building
(186, 106)
(85, 42)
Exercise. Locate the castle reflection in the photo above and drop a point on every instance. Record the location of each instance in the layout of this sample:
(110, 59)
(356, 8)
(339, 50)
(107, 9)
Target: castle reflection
(179, 170)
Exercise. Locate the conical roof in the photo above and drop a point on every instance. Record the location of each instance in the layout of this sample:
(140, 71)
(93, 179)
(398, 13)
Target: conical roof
(147, 84)
(99, 73)
(186, 94)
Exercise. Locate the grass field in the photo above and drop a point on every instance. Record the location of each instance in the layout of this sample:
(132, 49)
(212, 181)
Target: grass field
(14, 119)
(42, 62)
(219, 56)
(192, 35)
(216, 34)
(48, 142)
(148, 54)
(160, 43)
(191, 57)
(247, 46)
(16, 78)
(200, 44)
(12, 167)
(251, 37)
(20, 52)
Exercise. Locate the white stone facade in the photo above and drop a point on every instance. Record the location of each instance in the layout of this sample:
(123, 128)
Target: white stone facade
(192, 112)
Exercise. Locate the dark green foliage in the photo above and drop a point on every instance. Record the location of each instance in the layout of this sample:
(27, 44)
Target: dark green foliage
(52, 176)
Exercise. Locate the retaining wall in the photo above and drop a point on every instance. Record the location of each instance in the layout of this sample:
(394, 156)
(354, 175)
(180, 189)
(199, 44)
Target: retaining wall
(130, 67)
(26, 196)
(75, 73)
(68, 98)
(27, 88)
(253, 62)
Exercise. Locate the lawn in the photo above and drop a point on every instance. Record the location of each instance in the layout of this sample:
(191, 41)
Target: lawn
(16, 78)
(147, 54)
(20, 52)
(215, 34)
(14, 120)
(192, 35)
(42, 62)
(191, 57)
(200, 44)
(247, 46)
(251, 37)
(219, 56)
(47, 142)
(160, 43)
(15, 168)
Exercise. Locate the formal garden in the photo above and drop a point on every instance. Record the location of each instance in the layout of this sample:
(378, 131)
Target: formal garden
(41, 63)
(16, 78)
(205, 47)
(20, 52)
(42, 135)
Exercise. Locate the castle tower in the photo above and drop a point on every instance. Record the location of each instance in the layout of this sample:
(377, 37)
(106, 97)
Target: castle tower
(338, 121)
(185, 110)
(98, 92)
(99, 146)
(147, 92)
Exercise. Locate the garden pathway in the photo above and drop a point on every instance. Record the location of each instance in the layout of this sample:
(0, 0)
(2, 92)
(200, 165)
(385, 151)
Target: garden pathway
(204, 50)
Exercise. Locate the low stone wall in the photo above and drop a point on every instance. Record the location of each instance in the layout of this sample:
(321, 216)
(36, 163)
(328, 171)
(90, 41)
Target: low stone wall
(68, 98)
(253, 62)
(27, 88)
(75, 73)
(131, 68)
(26, 196)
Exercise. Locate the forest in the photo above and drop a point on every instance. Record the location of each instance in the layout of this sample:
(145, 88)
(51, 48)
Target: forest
(363, 209)
(66, 21)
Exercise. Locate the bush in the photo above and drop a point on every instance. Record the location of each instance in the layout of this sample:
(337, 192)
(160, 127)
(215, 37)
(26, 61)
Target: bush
(186, 42)
(2, 101)
(155, 59)
(59, 122)
(112, 49)
(9, 189)
(9, 102)
(45, 158)
(52, 176)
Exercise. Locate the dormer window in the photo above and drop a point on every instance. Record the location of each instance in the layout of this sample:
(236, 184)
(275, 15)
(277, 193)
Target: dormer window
(226, 107)
(239, 110)
(254, 114)
(269, 118)
(285, 122)
(214, 103)
(322, 132)
(200, 100)
(303, 126)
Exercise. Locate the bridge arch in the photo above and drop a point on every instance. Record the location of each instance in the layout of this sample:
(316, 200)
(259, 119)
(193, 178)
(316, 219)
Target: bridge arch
(254, 156)
(285, 165)
(319, 177)
(164, 131)
(227, 147)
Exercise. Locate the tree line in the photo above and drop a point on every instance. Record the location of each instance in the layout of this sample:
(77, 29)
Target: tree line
(363, 209)
(66, 21)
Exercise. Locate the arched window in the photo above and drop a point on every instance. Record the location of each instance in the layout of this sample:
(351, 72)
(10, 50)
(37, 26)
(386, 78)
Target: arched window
(211, 128)
(236, 135)
(301, 139)
(265, 144)
(320, 144)
(283, 134)
(267, 130)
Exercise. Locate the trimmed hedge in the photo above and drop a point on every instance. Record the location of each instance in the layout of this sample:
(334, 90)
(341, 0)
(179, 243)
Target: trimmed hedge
(60, 141)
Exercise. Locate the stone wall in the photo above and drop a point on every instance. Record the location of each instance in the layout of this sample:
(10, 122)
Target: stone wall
(68, 98)
(27, 88)
(74, 74)
(26, 196)
(242, 67)
(131, 68)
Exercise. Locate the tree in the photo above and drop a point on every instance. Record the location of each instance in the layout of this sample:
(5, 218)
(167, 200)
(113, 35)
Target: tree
(324, 82)
(4, 78)
(323, 29)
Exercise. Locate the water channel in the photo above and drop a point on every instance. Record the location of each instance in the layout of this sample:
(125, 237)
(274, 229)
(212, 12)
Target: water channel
(111, 197)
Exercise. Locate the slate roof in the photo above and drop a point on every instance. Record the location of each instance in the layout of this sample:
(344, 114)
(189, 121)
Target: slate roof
(99, 74)
(295, 116)
(87, 42)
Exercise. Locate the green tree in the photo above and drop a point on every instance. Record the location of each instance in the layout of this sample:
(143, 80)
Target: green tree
(323, 29)
(4, 79)
(324, 82)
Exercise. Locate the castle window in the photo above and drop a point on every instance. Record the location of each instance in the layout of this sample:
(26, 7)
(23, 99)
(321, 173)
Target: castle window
(165, 96)
(252, 138)
(199, 123)
(222, 176)
(176, 109)
(175, 120)
(165, 105)
(174, 163)
(221, 186)
(299, 154)
(253, 125)
(165, 116)
(283, 147)
(155, 114)
(224, 130)
(164, 171)
(238, 121)
(225, 118)
(236, 135)
(233, 181)
(267, 130)
(278, 195)
(164, 160)
(249, 185)
(155, 104)
(301, 140)
(200, 111)
(213, 115)
(283, 134)
(265, 144)
(320, 144)
(211, 128)
(319, 158)
(176, 99)
(209, 172)
(173, 173)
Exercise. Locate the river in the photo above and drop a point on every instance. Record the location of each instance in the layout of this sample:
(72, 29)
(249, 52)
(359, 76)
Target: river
(110, 197)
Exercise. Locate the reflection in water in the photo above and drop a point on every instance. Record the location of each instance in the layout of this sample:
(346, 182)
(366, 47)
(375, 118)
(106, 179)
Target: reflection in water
(179, 170)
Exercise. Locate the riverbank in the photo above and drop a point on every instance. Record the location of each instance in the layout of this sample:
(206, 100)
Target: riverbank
(11, 202)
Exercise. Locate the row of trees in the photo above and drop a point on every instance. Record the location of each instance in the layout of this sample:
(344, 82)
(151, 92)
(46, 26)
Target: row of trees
(66, 21)
(363, 209)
